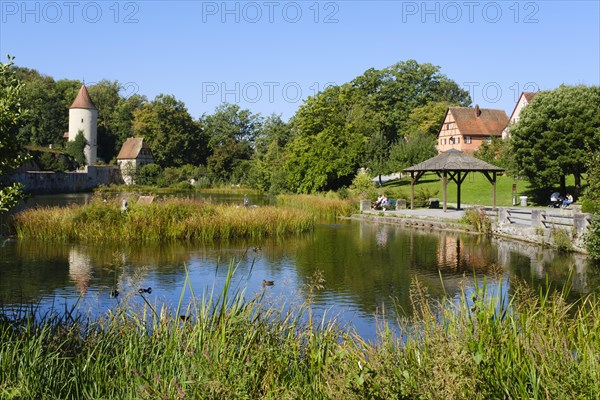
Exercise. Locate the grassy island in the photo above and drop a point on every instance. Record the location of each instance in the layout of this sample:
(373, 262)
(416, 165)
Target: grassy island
(172, 219)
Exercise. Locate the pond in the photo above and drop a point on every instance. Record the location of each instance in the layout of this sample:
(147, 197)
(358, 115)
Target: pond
(367, 269)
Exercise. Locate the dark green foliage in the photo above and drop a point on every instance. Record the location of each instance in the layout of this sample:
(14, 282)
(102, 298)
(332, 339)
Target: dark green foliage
(174, 137)
(592, 190)
(592, 239)
(231, 133)
(149, 174)
(417, 148)
(12, 154)
(353, 125)
(74, 149)
(51, 161)
(556, 134)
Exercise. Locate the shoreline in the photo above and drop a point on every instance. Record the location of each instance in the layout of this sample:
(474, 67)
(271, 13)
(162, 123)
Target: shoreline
(543, 235)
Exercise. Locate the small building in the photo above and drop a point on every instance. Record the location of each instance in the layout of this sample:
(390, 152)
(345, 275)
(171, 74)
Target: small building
(466, 128)
(524, 99)
(134, 154)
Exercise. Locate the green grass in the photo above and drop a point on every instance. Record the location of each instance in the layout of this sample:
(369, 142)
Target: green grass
(173, 219)
(236, 346)
(320, 205)
(475, 190)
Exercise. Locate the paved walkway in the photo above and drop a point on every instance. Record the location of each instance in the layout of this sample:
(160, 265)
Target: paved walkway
(429, 213)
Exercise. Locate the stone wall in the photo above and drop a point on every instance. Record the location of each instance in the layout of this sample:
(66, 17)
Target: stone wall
(45, 182)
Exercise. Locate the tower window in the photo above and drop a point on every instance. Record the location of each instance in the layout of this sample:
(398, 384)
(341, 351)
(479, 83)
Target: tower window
(81, 120)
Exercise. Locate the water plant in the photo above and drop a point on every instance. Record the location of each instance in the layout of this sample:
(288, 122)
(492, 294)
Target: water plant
(322, 206)
(172, 219)
(485, 342)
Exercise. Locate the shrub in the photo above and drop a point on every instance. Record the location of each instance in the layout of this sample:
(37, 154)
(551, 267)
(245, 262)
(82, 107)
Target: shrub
(562, 240)
(592, 240)
(477, 218)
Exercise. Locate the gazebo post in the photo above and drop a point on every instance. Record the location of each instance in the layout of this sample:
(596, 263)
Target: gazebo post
(412, 190)
(445, 188)
(458, 182)
(494, 191)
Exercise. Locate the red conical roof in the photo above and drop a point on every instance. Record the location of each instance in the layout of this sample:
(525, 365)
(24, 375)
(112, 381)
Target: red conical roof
(83, 100)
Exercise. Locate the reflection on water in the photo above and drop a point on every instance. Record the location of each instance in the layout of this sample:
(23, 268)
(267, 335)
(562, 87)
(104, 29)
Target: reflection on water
(367, 268)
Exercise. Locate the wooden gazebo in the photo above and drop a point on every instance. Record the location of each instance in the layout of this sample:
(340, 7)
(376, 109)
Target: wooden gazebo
(452, 165)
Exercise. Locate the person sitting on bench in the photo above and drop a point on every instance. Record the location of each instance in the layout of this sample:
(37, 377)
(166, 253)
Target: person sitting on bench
(567, 201)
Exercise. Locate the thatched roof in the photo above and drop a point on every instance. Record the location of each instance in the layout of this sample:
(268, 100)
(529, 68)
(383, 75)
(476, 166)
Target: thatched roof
(453, 160)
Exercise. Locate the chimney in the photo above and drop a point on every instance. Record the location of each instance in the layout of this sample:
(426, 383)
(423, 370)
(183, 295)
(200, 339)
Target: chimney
(477, 110)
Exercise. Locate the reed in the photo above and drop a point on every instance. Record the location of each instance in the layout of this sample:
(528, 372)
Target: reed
(173, 219)
(318, 204)
(484, 344)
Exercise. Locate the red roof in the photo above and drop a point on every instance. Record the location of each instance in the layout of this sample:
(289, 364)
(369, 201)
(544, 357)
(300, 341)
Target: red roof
(479, 121)
(83, 100)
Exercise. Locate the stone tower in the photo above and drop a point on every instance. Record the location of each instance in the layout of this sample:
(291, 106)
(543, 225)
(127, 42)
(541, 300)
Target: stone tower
(83, 116)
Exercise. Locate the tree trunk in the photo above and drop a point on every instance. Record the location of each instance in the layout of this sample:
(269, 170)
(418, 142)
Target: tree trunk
(577, 183)
(563, 185)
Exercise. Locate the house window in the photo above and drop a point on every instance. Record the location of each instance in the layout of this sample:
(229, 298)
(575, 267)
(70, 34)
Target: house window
(467, 139)
(488, 139)
(451, 125)
(458, 140)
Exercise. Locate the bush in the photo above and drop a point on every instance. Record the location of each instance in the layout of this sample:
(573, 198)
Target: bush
(362, 186)
(590, 206)
(477, 218)
(149, 174)
(592, 240)
(562, 240)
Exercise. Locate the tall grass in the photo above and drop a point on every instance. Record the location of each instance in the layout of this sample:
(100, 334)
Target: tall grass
(174, 219)
(484, 345)
(319, 205)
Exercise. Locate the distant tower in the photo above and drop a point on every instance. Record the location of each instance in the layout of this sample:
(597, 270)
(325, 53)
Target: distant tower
(83, 116)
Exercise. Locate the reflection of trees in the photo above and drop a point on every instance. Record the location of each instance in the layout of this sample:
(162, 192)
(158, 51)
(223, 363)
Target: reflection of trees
(30, 271)
(355, 263)
(537, 266)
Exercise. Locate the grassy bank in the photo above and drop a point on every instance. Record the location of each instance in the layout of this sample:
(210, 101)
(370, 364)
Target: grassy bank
(531, 347)
(173, 219)
(320, 205)
(475, 189)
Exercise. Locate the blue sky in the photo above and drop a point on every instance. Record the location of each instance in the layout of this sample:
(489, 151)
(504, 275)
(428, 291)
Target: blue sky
(269, 56)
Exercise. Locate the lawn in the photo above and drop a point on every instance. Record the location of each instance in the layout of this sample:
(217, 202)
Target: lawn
(475, 189)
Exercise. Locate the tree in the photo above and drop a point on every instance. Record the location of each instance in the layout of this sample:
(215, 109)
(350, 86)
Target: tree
(266, 172)
(105, 95)
(175, 138)
(417, 148)
(360, 121)
(48, 117)
(231, 133)
(556, 133)
(75, 148)
(11, 116)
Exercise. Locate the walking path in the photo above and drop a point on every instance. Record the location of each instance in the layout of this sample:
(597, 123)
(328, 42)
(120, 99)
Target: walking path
(428, 213)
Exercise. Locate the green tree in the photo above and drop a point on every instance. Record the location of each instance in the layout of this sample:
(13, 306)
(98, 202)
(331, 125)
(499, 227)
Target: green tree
(105, 95)
(174, 137)
(417, 148)
(75, 148)
(12, 154)
(231, 133)
(267, 168)
(122, 118)
(360, 120)
(48, 117)
(556, 133)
